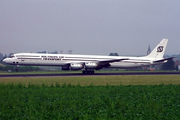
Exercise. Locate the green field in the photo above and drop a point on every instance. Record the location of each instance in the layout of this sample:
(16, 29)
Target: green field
(89, 102)
(104, 97)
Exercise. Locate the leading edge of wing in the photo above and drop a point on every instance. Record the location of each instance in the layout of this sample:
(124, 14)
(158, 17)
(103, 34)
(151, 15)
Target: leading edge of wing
(101, 62)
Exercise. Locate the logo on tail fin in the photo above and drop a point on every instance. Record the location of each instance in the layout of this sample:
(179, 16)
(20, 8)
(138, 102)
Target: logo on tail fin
(160, 49)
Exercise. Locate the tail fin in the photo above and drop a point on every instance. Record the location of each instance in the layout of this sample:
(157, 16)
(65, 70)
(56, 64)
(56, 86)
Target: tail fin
(159, 50)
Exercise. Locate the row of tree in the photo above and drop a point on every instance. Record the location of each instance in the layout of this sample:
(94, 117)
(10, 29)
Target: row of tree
(22, 68)
(169, 65)
(2, 56)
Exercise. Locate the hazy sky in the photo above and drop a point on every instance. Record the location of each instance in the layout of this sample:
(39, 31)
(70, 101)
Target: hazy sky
(89, 26)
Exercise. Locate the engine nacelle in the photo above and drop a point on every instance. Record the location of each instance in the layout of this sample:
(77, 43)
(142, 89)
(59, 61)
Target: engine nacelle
(91, 65)
(76, 66)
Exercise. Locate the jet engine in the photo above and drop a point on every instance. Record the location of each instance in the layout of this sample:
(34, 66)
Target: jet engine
(91, 65)
(76, 66)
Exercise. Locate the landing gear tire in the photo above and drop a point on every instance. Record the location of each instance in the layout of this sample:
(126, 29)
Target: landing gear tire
(17, 70)
(91, 72)
(85, 72)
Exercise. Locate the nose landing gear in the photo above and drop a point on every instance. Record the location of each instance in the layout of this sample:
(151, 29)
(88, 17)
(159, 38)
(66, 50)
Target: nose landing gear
(17, 68)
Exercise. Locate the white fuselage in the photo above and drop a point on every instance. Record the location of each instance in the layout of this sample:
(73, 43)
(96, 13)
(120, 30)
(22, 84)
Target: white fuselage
(89, 62)
(36, 59)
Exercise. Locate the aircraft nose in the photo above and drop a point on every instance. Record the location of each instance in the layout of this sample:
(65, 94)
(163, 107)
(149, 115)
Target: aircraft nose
(4, 60)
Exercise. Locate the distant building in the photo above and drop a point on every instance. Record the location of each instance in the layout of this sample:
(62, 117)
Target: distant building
(149, 50)
(177, 63)
(42, 52)
(55, 52)
(150, 68)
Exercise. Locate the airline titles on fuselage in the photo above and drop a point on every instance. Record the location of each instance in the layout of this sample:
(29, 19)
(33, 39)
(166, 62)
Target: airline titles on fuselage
(52, 57)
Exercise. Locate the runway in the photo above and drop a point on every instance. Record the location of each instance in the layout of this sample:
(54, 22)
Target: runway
(95, 74)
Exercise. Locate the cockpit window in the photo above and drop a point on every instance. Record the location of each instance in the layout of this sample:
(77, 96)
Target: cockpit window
(12, 56)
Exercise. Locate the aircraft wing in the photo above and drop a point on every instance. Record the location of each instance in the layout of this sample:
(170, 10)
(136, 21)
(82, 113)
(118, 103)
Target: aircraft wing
(111, 60)
(101, 62)
(162, 60)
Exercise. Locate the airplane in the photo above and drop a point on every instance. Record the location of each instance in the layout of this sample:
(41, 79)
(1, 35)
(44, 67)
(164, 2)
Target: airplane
(88, 63)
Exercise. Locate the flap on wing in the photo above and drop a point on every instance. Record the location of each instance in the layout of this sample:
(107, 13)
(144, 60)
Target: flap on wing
(162, 60)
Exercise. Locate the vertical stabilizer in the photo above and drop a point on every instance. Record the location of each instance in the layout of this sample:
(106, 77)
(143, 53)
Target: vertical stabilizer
(159, 50)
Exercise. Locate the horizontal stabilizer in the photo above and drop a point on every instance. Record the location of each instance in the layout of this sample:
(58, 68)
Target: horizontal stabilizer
(162, 60)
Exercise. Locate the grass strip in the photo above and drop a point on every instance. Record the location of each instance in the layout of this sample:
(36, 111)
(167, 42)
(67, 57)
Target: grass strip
(96, 80)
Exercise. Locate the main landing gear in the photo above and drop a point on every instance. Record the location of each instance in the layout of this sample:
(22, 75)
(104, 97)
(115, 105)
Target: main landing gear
(88, 71)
